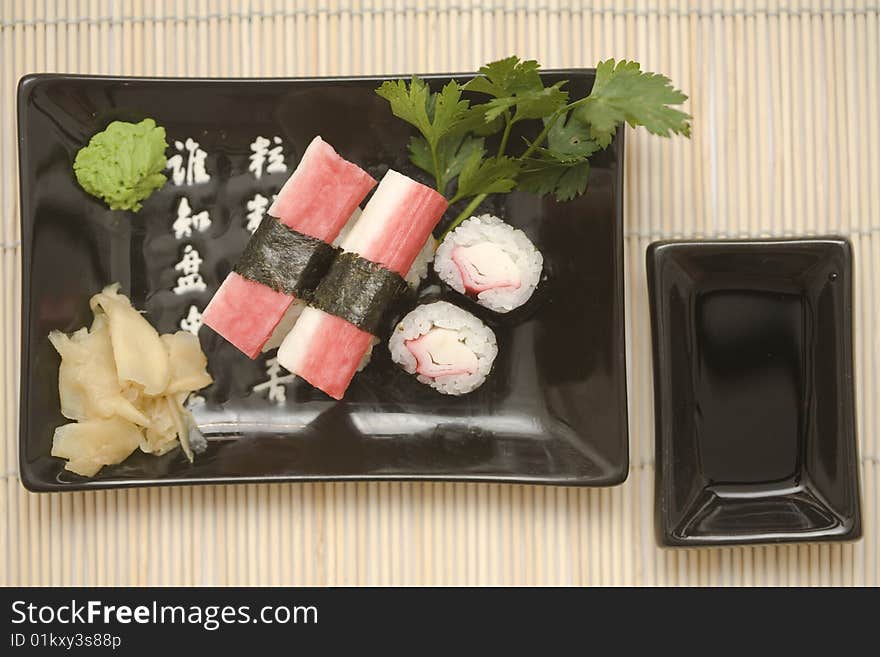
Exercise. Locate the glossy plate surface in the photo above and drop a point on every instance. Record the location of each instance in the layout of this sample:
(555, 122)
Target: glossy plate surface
(755, 429)
(553, 410)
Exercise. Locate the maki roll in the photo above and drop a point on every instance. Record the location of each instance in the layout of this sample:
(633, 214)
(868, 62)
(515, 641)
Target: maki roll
(446, 347)
(490, 261)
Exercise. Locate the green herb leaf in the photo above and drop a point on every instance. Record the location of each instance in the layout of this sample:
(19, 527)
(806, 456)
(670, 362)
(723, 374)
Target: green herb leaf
(452, 154)
(452, 145)
(623, 92)
(475, 121)
(448, 110)
(548, 175)
(408, 102)
(486, 176)
(438, 116)
(496, 107)
(573, 181)
(507, 77)
(540, 104)
(484, 85)
(513, 83)
(459, 155)
(433, 114)
(571, 139)
(420, 154)
(552, 172)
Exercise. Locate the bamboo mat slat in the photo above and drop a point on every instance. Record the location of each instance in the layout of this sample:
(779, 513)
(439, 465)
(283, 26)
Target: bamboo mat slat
(786, 141)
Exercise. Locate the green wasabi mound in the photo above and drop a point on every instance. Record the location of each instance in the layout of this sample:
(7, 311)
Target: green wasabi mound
(123, 165)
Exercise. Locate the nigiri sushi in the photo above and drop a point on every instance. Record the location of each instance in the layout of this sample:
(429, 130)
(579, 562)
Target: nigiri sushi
(331, 336)
(417, 272)
(289, 248)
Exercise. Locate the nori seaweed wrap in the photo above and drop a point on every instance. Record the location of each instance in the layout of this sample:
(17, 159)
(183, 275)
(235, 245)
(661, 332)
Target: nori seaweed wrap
(358, 290)
(284, 259)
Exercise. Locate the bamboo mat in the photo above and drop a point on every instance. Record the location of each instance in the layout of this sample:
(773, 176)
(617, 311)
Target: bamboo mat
(785, 99)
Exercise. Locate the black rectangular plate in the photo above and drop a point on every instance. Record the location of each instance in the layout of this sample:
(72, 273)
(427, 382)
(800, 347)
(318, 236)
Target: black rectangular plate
(553, 410)
(753, 385)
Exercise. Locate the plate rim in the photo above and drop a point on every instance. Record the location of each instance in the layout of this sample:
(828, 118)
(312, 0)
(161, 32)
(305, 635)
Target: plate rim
(615, 476)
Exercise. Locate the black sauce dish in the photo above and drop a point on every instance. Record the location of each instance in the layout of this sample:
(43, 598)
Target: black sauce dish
(753, 391)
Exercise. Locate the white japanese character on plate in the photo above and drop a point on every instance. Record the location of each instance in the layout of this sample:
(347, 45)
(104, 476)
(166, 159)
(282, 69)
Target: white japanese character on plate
(188, 164)
(276, 381)
(262, 151)
(192, 280)
(187, 221)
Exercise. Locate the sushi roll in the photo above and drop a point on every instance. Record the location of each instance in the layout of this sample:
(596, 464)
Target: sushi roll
(490, 261)
(446, 347)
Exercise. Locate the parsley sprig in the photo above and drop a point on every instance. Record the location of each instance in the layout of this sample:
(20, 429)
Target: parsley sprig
(451, 144)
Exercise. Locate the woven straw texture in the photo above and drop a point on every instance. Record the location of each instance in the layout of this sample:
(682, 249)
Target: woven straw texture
(785, 99)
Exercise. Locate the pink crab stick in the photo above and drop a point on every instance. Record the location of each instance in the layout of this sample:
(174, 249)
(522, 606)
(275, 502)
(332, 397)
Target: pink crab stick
(440, 352)
(484, 267)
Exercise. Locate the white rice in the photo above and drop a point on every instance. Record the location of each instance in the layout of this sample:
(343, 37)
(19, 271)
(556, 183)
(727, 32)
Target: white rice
(346, 229)
(475, 335)
(514, 242)
(419, 268)
(369, 355)
(283, 327)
